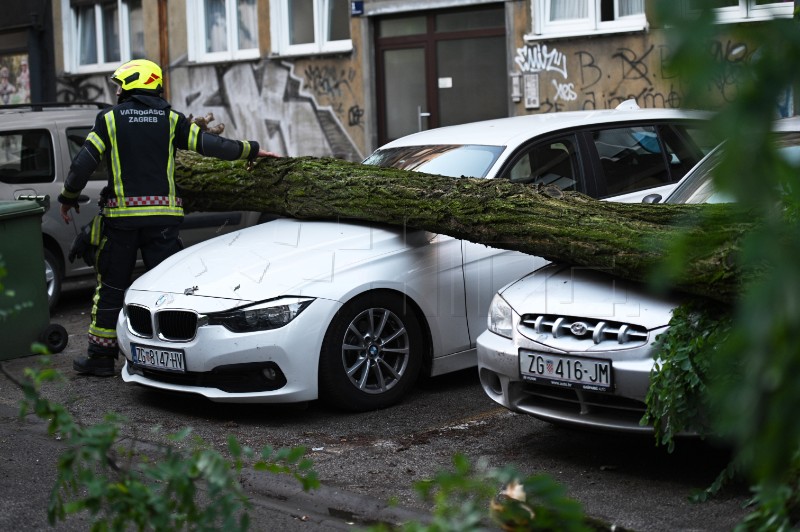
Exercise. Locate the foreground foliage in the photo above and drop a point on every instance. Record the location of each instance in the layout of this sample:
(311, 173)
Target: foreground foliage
(678, 397)
(754, 407)
(468, 499)
(680, 401)
(173, 489)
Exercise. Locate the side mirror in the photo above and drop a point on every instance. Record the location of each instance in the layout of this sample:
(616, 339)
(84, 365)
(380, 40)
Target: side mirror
(652, 198)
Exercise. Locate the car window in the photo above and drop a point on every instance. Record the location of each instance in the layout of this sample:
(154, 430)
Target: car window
(700, 136)
(76, 136)
(549, 163)
(682, 148)
(631, 159)
(449, 160)
(26, 157)
(699, 187)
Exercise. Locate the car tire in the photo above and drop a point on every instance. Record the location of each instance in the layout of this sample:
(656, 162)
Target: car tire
(54, 275)
(371, 354)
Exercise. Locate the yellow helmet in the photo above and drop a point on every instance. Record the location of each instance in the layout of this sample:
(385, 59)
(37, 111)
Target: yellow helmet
(138, 74)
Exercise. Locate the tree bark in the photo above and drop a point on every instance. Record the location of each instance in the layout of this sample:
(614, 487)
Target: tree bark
(627, 240)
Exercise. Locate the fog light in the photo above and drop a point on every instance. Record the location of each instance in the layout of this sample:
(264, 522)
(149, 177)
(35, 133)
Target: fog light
(270, 373)
(491, 381)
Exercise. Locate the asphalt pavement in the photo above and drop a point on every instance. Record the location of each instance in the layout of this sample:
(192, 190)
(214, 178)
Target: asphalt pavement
(28, 456)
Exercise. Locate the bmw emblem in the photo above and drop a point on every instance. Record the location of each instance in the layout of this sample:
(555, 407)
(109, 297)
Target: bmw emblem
(161, 300)
(578, 328)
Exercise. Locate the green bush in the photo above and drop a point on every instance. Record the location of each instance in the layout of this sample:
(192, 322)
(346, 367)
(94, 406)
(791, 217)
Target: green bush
(678, 399)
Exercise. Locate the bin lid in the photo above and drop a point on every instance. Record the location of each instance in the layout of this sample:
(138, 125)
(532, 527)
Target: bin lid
(19, 208)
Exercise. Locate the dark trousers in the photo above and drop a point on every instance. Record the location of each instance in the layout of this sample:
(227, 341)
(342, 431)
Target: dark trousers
(114, 265)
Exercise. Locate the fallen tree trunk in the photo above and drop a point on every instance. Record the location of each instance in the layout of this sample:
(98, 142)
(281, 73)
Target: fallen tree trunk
(627, 240)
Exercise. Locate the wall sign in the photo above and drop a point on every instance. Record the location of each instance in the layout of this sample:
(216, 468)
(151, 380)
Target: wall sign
(531, 86)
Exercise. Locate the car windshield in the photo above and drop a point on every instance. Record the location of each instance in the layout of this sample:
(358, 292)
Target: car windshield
(698, 186)
(464, 160)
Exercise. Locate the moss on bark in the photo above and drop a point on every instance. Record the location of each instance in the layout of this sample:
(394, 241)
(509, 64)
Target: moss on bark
(629, 240)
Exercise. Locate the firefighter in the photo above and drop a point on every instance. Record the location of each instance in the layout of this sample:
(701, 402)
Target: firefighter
(140, 208)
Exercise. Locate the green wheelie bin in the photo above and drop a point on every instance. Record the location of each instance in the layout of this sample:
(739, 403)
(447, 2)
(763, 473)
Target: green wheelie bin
(24, 312)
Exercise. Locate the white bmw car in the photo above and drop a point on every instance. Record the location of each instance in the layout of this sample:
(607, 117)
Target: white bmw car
(574, 346)
(292, 311)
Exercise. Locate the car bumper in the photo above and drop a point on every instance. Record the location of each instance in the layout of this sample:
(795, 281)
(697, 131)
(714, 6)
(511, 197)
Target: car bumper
(620, 410)
(274, 366)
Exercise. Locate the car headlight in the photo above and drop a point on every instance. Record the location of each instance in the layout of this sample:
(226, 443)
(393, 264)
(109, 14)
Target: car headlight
(261, 316)
(500, 317)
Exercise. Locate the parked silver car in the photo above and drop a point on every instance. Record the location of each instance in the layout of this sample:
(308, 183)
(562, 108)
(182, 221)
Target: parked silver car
(575, 346)
(37, 144)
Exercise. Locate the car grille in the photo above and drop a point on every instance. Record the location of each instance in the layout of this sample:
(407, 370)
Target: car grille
(177, 325)
(597, 331)
(139, 320)
(171, 325)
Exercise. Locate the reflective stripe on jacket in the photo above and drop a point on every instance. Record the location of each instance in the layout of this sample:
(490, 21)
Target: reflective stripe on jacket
(139, 138)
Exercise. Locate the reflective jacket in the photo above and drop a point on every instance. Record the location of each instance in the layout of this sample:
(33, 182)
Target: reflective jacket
(138, 138)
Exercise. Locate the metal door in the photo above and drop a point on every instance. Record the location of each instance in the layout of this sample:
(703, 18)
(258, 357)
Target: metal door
(440, 68)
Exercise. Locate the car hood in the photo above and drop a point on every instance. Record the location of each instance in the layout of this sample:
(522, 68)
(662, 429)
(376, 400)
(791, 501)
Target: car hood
(281, 257)
(583, 293)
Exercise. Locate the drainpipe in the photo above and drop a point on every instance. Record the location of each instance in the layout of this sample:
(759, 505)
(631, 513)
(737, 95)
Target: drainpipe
(163, 41)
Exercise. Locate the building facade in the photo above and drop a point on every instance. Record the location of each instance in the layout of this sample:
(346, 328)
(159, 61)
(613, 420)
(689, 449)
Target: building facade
(339, 78)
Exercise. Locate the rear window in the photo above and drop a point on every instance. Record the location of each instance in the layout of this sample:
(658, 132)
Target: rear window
(26, 157)
(446, 159)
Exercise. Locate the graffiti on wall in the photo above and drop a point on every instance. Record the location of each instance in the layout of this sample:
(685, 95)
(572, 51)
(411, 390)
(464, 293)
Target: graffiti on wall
(587, 79)
(262, 101)
(575, 76)
(85, 89)
(334, 85)
(532, 60)
(730, 55)
(539, 58)
(327, 80)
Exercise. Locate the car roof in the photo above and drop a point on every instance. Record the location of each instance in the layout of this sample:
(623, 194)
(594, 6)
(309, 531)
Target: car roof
(28, 116)
(516, 130)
